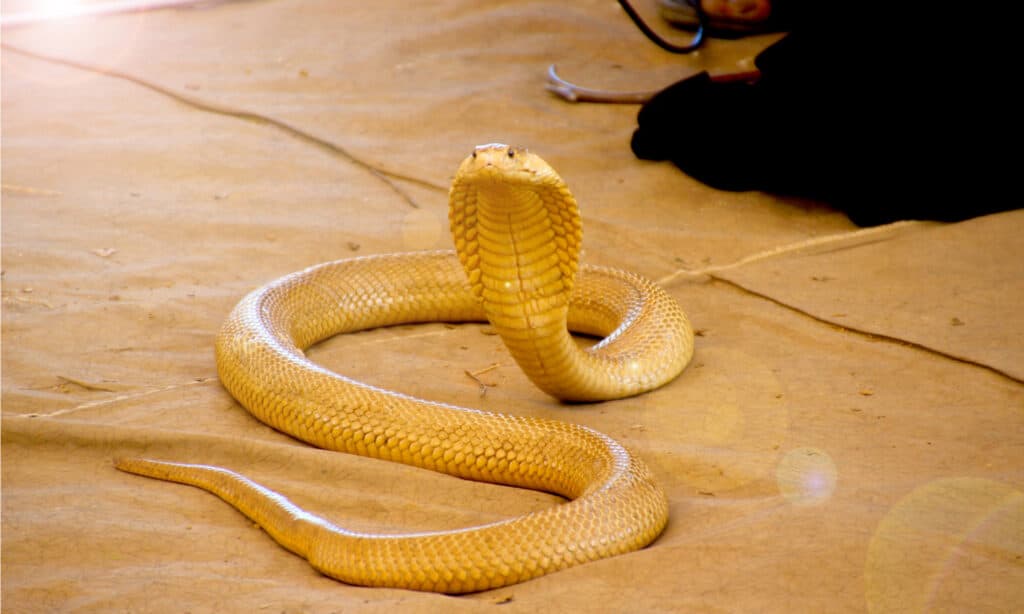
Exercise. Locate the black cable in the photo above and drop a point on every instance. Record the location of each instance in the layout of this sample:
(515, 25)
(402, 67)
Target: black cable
(698, 37)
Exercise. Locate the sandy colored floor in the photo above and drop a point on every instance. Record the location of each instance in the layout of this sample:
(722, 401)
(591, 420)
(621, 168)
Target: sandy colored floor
(850, 436)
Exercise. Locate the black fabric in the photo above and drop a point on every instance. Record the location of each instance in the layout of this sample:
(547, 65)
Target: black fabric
(899, 119)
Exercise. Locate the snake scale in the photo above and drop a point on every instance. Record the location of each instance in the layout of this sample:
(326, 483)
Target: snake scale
(517, 233)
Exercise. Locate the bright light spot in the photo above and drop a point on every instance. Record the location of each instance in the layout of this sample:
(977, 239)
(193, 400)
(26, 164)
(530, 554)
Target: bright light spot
(74, 36)
(57, 9)
(806, 476)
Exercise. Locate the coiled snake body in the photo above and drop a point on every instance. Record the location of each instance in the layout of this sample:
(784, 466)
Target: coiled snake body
(517, 234)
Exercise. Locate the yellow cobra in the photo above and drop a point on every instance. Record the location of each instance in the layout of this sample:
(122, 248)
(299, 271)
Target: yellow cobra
(517, 234)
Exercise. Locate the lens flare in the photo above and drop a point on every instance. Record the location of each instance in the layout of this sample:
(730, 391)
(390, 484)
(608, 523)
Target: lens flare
(718, 432)
(953, 544)
(48, 10)
(806, 476)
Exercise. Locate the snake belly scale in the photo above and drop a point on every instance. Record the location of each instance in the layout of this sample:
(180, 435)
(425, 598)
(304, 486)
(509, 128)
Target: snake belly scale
(517, 234)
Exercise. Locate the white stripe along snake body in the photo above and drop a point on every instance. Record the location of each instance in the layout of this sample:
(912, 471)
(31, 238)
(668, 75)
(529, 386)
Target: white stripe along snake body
(517, 234)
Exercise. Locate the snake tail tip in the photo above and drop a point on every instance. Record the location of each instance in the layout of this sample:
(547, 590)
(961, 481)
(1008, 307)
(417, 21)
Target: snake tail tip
(138, 466)
(125, 463)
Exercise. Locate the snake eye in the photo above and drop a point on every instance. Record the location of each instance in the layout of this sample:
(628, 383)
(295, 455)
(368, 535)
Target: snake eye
(474, 155)
(511, 153)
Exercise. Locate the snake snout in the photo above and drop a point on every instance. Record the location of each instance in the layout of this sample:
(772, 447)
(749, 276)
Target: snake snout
(498, 163)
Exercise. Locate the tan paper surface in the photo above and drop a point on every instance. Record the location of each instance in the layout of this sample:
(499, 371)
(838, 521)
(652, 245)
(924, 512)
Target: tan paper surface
(848, 438)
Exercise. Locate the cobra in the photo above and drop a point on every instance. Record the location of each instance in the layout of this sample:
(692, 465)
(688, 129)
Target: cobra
(517, 234)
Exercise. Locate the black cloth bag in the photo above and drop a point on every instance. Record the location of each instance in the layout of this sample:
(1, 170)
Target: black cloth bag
(898, 119)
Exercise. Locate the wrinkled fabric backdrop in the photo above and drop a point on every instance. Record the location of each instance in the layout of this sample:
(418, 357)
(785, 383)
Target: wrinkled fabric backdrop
(848, 438)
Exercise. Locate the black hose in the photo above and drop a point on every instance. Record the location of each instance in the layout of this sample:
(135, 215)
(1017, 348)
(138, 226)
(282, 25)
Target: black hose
(698, 37)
